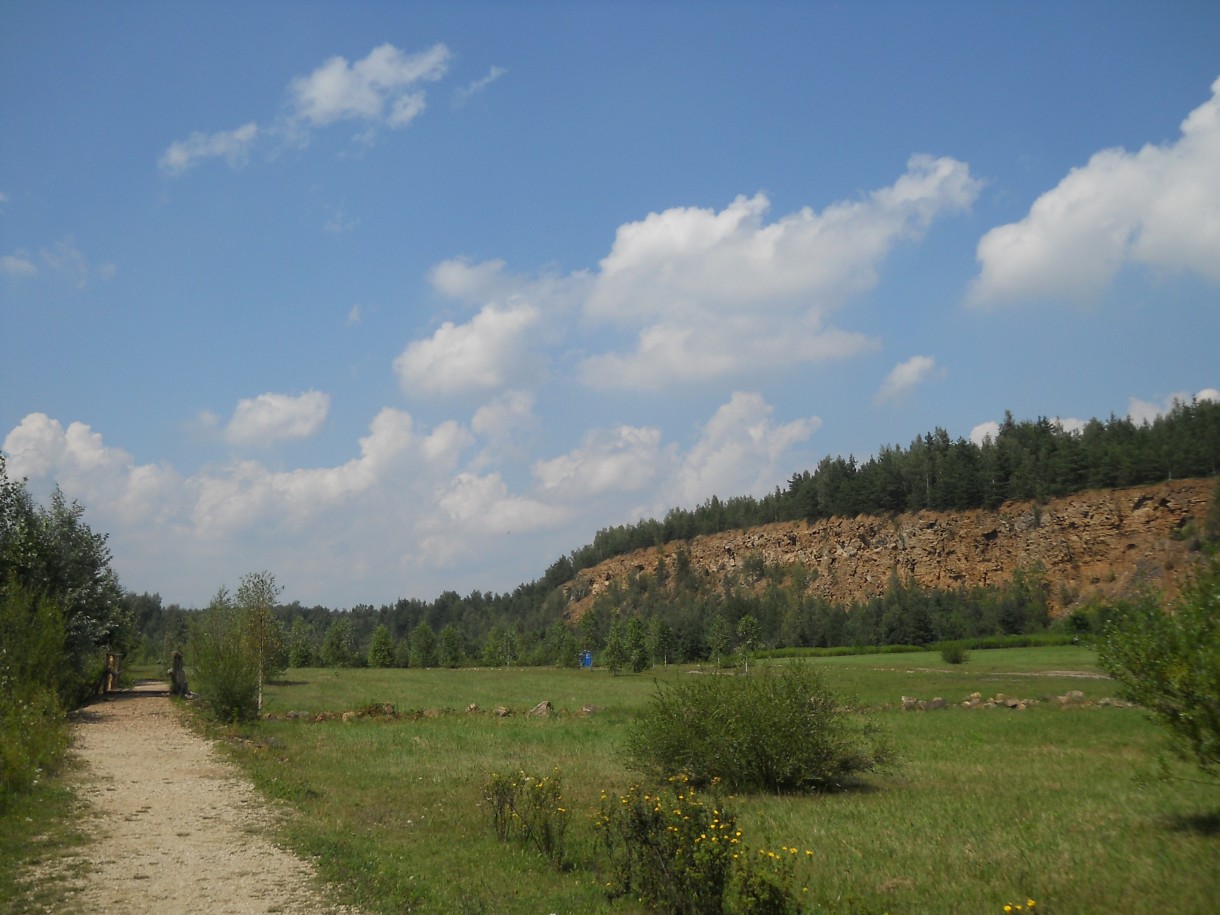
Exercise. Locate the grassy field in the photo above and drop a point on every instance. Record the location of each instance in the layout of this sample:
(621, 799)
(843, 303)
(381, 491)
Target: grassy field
(985, 807)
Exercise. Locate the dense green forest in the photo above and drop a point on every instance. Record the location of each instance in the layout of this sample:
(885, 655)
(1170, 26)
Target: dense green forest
(680, 615)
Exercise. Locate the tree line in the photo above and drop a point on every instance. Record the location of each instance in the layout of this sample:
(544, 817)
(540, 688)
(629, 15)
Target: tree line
(685, 616)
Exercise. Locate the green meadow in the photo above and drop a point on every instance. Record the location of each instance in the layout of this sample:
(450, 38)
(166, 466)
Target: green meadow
(983, 807)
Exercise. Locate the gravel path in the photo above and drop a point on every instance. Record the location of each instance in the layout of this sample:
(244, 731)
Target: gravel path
(177, 827)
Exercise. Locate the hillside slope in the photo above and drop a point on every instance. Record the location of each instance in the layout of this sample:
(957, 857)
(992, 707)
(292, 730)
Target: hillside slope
(1095, 544)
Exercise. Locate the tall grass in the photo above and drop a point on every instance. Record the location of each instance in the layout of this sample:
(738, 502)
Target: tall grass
(985, 807)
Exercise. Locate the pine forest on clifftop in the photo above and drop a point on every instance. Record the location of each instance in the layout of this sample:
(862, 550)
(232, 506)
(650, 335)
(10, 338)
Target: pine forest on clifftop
(1037, 527)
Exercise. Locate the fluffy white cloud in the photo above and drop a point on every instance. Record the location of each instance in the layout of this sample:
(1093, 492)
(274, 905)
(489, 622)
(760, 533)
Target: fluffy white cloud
(715, 293)
(905, 377)
(231, 145)
(397, 517)
(482, 504)
(1143, 411)
(740, 451)
(377, 88)
(270, 418)
(1158, 207)
(491, 351)
(506, 424)
(458, 278)
(107, 479)
(625, 459)
(984, 431)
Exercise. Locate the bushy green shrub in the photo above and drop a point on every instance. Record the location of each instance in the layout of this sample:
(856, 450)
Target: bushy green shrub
(223, 665)
(33, 680)
(954, 653)
(778, 730)
(1168, 660)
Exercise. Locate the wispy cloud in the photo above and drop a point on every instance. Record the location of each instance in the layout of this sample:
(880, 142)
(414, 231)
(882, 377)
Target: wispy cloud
(19, 263)
(381, 90)
(231, 145)
(466, 93)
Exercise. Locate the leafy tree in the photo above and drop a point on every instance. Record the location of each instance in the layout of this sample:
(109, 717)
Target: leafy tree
(637, 645)
(615, 654)
(449, 647)
(381, 648)
(225, 666)
(53, 554)
(256, 596)
(423, 646)
(302, 642)
(748, 634)
(339, 644)
(719, 638)
(661, 639)
(1168, 661)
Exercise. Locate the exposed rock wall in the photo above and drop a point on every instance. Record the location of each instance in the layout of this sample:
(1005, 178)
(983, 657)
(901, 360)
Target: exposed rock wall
(1101, 543)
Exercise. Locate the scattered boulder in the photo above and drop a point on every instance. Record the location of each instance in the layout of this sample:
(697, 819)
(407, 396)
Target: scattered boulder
(472, 708)
(501, 711)
(541, 710)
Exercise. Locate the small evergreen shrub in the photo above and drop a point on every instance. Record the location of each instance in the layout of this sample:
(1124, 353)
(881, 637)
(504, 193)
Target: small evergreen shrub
(779, 730)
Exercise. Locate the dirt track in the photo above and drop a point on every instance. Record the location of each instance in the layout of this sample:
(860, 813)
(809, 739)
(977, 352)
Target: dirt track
(177, 828)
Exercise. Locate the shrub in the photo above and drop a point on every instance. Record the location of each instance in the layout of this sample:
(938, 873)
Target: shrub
(672, 850)
(225, 669)
(778, 731)
(1169, 662)
(529, 809)
(33, 730)
(954, 653)
(679, 851)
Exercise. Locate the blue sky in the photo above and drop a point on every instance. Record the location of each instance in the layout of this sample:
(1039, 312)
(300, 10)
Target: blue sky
(390, 299)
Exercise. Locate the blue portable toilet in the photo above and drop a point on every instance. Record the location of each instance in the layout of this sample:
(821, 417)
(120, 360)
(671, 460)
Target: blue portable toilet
(586, 659)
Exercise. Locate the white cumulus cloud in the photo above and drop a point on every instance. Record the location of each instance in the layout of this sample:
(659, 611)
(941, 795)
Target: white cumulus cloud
(1159, 207)
(625, 459)
(491, 351)
(741, 451)
(376, 88)
(905, 377)
(1144, 411)
(270, 418)
(983, 431)
(710, 294)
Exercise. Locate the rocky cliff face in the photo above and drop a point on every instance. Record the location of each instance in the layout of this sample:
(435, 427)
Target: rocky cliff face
(1095, 544)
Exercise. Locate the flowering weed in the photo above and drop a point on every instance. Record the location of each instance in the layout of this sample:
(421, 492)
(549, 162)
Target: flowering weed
(530, 809)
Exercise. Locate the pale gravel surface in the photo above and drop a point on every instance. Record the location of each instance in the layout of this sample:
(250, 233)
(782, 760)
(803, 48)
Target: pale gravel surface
(176, 826)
